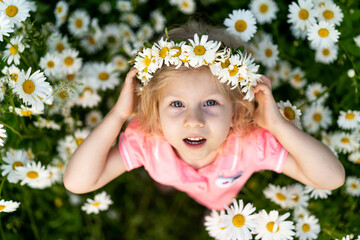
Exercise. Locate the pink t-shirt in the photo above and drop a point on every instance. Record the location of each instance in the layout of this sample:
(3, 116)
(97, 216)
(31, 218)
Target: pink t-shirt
(214, 185)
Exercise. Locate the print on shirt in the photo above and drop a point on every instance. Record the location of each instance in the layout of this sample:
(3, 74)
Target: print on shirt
(223, 182)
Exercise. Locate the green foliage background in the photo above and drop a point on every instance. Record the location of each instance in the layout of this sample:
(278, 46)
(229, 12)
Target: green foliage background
(143, 209)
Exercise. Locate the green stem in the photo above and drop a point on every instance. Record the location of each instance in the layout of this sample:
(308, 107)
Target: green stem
(12, 129)
(2, 230)
(2, 185)
(32, 219)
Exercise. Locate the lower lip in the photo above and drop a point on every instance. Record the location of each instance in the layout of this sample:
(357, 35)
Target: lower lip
(195, 146)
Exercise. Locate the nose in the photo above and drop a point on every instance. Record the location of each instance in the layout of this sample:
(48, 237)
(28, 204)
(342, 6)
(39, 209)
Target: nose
(194, 118)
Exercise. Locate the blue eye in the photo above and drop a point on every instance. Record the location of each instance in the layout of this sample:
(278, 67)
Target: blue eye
(210, 103)
(177, 104)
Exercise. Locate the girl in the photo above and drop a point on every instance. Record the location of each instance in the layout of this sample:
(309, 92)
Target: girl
(196, 133)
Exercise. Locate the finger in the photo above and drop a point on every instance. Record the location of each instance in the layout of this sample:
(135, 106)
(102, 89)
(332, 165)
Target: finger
(262, 87)
(266, 80)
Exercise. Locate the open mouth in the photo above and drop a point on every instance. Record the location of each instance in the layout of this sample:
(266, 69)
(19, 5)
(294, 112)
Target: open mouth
(194, 141)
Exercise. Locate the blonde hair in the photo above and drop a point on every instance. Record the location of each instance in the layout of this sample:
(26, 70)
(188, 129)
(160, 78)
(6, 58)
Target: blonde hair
(148, 108)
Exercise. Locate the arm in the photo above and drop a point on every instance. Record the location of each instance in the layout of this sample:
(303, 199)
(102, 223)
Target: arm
(309, 161)
(95, 162)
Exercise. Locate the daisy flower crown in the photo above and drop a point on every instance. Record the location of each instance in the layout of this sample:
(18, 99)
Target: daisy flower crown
(233, 67)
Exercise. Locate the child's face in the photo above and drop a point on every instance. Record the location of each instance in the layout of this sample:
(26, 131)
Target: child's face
(195, 116)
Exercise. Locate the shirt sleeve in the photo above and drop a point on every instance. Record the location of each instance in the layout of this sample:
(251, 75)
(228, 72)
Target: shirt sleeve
(268, 153)
(132, 145)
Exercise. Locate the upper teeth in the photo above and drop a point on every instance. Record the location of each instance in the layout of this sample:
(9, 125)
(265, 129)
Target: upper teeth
(195, 139)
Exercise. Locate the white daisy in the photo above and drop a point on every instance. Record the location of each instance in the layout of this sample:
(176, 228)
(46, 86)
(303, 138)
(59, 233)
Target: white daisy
(285, 69)
(241, 23)
(357, 40)
(33, 89)
(70, 61)
(301, 14)
(145, 32)
(264, 10)
(131, 18)
(345, 142)
(80, 135)
(13, 160)
(50, 63)
(15, 10)
(13, 50)
(66, 147)
(186, 6)
(323, 34)
(13, 74)
(212, 222)
(354, 157)
(2, 91)
(351, 73)
(298, 33)
(93, 118)
(297, 78)
(298, 198)
(347, 237)
(120, 62)
(290, 112)
(8, 206)
(78, 23)
(272, 226)
(24, 111)
(349, 119)
(316, 116)
(326, 55)
(44, 123)
(307, 228)
(101, 202)
(158, 20)
(313, 91)
(201, 50)
(239, 221)
(88, 97)
(56, 42)
(124, 6)
(61, 11)
(278, 195)
(317, 193)
(162, 52)
(105, 7)
(352, 186)
(5, 26)
(112, 34)
(267, 53)
(330, 12)
(2, 134)
(34, 175)
(274, 77)
(104, 75)
(300, 213)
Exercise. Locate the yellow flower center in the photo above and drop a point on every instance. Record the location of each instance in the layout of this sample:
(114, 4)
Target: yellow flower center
(92, 40)
(238, 220)
(147, 61)
(178, 53)
(295, 198)
(79, 141)
(323, 32)
(350, 116)
(70, 77)
(328, 14)
(326, 52)
(358, 160)
(28, 86)
(32, 175)
(185, 4)
(96, 204)
(103, 76)
(289, 113)
(234, 71)
(93, 119)
(60, 47)
(354, 186)
(14, 77)
(263, 8)
(163, 52)
(303, 14)
(240, 25)
(14, 49)
(316, 92)
(58, 202)
(50, 64)
(78, 23)
(69, 61)
(306, 227)
(59, 9)
(317, 117)
(268, 52)
(62, 95)
(345, 140)
(199, 50)
(2, 207)
(297, 78)
(280, 196)
(11, 11)
(26, 113)
(226, 63)
(17, 164)
(270, 227)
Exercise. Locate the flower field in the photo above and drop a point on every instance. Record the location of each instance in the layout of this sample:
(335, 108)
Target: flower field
(62, 67)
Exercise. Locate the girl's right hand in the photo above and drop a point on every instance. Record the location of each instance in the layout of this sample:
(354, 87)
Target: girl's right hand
(127, 100)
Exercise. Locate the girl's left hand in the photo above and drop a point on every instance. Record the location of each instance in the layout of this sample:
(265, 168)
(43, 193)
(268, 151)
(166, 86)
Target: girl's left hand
(267, 114)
